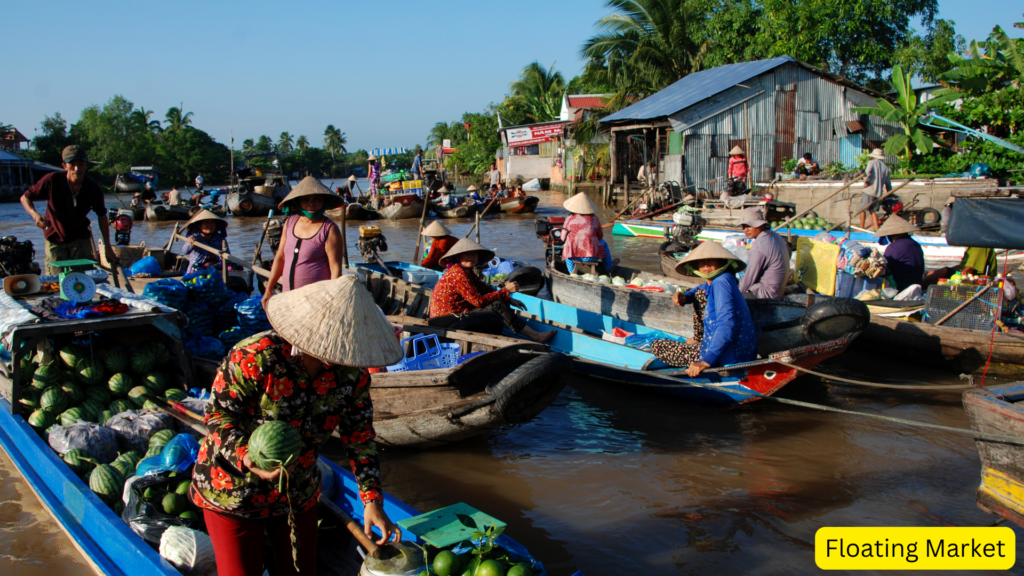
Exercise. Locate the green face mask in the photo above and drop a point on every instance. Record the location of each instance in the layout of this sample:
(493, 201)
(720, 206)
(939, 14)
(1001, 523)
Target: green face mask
(715, 273)
(292, 209)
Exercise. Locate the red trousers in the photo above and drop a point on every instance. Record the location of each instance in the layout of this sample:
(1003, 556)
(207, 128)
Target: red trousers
(238, 543)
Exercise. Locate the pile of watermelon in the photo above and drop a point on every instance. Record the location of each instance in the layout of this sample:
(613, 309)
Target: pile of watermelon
(810, 223)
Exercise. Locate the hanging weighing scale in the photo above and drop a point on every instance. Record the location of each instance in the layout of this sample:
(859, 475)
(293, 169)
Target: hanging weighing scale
(75, 286)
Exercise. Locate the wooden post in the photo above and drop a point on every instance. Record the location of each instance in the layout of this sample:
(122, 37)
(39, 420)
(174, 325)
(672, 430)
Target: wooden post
(746, 136)
(344, 242)
(613, 164)
(657, 165)
(625, 188)
(223, 263)
(477, 226)
(423, 221)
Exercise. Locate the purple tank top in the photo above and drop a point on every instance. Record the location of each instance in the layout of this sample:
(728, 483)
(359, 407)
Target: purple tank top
(305, 259)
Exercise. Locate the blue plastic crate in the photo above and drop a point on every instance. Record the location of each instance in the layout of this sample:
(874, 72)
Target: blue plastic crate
(426, 352)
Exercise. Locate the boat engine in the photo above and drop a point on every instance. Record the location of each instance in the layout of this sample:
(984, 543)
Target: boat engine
(123, 222)
(683, 235)
(371, 242)
(551, 232)
(16, 257)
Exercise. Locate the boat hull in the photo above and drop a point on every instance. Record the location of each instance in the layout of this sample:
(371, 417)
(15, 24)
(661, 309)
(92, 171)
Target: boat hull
(520, 205)
(250, 204)
(165, 213)
(403, 207)
(457, 212)
(997, 410)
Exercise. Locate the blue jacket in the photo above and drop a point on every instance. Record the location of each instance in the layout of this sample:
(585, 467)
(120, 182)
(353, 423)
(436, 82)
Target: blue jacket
(729, 333)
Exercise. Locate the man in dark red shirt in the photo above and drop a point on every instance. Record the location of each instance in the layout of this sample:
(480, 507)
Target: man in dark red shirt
(69, 196)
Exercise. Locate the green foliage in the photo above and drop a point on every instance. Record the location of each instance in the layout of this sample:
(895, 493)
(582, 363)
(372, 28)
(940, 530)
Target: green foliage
(788, 165)
(928, 56)
(189, 151)
(989, 66)
(476, 152)
(48, 145)
(115, 137)
(539, 91)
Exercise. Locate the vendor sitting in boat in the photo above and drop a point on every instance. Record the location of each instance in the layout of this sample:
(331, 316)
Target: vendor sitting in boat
(441, 241)
(903, 255)
(584, 239)
(768, 264)
(977, 261)
(474, 193)
(461, 297)
(723, 331)
(210, 230)
(444, 198)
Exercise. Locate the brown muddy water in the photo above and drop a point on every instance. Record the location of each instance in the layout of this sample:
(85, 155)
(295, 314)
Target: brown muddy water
(615, 482)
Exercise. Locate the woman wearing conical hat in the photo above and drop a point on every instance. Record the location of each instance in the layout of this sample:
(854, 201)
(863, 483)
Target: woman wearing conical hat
(461, 299)
(904, 257)
(209, 229)
(723, 331)
(441, 241)
(584, 239)
(310, 249)
(310, 371)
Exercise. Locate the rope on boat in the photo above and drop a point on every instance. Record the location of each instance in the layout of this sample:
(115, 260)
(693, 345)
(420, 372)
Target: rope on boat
(874, 384)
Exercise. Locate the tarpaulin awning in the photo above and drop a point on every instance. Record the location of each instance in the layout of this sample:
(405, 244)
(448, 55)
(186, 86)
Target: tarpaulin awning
(388, 151)
(987, 223)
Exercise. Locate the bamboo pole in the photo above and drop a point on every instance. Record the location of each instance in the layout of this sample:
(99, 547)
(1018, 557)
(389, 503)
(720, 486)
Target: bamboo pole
(423, 222)
(225, 256)
(746, 137)
(478, 214)
(820, 202)
(619, 215)
(880, 198)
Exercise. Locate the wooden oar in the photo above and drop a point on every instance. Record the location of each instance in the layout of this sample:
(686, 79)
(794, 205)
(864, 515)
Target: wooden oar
(225, 256)
(259, 246)
(357, 531)
(384, 266)
(170, 241)
(619, 215)
(423, 221)
(661, 211)
(872, 206)
(820, 202)
(180, 412)
(488, 207)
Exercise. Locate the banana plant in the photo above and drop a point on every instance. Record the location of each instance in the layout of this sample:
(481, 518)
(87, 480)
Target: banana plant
(991, 65)
(907, 111)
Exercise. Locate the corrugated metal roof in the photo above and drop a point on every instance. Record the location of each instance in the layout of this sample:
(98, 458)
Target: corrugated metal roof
(585, 102)
(694, 88)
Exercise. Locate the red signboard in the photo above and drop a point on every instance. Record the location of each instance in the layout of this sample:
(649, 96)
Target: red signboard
(527, 135)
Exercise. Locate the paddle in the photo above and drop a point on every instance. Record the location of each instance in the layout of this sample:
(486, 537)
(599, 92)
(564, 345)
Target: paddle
(225, 256)
(357, 531)
(423, 220)
(488, 207)
(259, 246)
(977, 295)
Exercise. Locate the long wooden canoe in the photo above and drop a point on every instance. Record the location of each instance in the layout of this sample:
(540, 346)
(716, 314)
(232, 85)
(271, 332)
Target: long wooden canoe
(997, 410)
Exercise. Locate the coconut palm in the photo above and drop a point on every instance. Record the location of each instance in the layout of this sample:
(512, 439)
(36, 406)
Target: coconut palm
(302, 144)
(540, 90)
(176, 119)
(334, 143)
(455, 132)
(285, 144)
(144, 116)
(248, 147)
(645, 45)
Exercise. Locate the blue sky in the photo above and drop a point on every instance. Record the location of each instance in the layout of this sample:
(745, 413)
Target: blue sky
(382, 72)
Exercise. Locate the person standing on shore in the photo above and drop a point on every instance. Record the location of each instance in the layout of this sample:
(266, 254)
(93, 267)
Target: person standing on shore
(69, 196)
(878, 180)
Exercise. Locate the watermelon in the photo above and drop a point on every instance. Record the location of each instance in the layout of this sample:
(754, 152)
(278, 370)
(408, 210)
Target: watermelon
(124, 467)
(89, 372)
(157, 382)
(107, 483)
(274, 444)
(71, 416)
(71, 354)
(153, 451)
(133, 456)
(93, 408)
(150, 405)
(116, 360)
(119, 384)
(160, 354)
(78, 461)
(25, 371)
(136, 395)
(105, 416)
(118, 406)
(41, 420)
(142, 361)
(54, 399)
(29, 399)
(175, 395)
(46, 375)
(161, 438)
(99, 394)
(74, 393)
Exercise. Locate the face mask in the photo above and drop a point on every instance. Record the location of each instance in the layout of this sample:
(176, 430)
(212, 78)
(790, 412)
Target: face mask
(715, 273)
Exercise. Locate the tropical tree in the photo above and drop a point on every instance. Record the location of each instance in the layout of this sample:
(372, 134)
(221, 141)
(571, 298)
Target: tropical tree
(248, 147)
(906, 112)
(989, 66)
(115, 137)
(144, 116)
(302, 144)
(176, 119)
(51, 140)
(285, 144)
(540, 89)
(454, 132)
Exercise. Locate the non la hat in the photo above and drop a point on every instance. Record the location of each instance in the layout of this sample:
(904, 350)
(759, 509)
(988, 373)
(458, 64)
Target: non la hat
(580, 204)
(736, 151)
(207, 215)
(752, 217)
(472, 188)
(877, 153)
(895, 225)
(436, 230)
(74, 152)
(466, 245)
(310, 186)
(353, 178)
(371, 157)
(708, 250)
(337, 322)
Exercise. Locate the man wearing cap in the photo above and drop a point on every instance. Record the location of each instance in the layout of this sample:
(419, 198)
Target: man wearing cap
(903, 255)
(876, 183)
(69, 196)
(768, 263)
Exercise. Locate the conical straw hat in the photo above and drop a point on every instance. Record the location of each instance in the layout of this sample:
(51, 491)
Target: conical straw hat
(353, 178)
(335, 321)
(371, 157)
(736, 151)
(310, 186)
(444, 190)
(708, 250)
(472, 188)
(580, 204)
(895, 225)
(467, 245)
(436, 229)
(207, 215)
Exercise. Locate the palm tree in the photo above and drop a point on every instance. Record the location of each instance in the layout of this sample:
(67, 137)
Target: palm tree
(248, 147)
(302, 144)
(540, 90)
(285, 144)
(647, 44)
(332, 143)
(176, 119)
(455, 132)
(144, 116)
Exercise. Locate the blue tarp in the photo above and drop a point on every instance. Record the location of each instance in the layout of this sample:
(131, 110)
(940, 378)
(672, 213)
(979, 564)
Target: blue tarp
(987, 223)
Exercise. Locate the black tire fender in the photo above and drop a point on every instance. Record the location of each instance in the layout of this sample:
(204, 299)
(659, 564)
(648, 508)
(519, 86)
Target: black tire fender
(530, 279)
(529, 389)
(834, 318)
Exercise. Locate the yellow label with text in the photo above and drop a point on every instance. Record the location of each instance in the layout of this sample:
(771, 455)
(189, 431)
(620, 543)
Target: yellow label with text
(837, 548)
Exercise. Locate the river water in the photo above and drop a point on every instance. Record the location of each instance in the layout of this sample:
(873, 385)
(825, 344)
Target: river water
(608, 481)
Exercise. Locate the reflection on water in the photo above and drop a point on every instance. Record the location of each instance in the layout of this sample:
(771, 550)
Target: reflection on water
(613, 481)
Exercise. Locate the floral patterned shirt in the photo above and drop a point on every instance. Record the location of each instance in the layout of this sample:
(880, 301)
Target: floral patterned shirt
(258, 382)
(459, 291)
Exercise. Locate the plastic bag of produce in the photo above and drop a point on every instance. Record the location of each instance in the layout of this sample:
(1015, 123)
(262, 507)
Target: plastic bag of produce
(233, 336)
(168, 291)
(144, 267)
(226, 314)
(147, 519)
(97, 442)
(736, 244)
(133, 429)
(201, 320)
(207, 285)
(328, 484)
(178, 454)
(206, 347)
(190, 551)
(251, 315)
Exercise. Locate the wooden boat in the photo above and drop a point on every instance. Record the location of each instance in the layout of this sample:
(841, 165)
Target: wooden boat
(501, 386)
(136, 179)
(457, 212)
(257, 192)
(252, 204)
(401, 207)
(668, 269)
(519, 205)
(997, 410)
(167, 213)
(357, 211)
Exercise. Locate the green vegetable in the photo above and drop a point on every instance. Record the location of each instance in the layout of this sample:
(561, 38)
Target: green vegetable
(46, 375)
(99, 394)
(92, 409)
(174, 504)
(142, 361)
(77, 460)
(161, 438)
(118, 406)
(124, 467)
(74, 393)
(175, 395)
(71, 354)
(72, 415)
(136, 395)
(156, 382)
(89, 372)
(116, 360)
